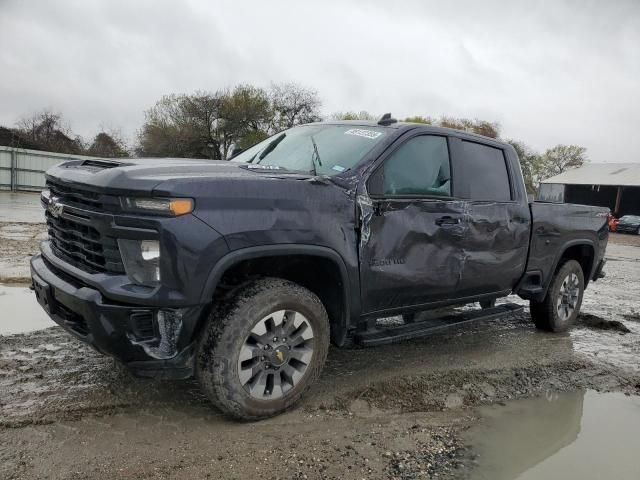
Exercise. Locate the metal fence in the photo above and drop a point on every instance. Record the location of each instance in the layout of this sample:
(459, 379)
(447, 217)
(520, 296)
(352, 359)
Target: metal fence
(23, 170)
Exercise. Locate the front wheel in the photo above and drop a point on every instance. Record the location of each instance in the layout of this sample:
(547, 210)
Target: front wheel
(263, 348)
(560, 308)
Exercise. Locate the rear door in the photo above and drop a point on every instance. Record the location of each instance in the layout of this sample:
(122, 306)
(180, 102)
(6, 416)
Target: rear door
(496, 221)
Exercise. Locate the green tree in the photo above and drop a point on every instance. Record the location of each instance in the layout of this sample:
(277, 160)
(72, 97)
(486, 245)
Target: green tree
(208, 125)
(185, 126)
(248, 115)
(108, 145)
(531, 163)
(420, 119)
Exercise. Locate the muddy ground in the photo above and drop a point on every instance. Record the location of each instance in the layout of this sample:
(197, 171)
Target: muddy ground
(18, 242)
(397, 411)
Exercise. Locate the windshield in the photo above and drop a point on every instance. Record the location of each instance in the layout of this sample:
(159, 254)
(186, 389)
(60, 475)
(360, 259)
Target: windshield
(321, 149)
(630, 219)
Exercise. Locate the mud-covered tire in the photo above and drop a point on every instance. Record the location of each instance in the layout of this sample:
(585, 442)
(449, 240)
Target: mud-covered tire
(550, 314)
(217, 367)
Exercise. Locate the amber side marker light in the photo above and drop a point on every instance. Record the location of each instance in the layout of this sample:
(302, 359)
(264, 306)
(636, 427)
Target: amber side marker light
(181, 206)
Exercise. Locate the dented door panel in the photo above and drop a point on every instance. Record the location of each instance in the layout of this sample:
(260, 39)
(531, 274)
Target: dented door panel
(494, 247)
(408, 258)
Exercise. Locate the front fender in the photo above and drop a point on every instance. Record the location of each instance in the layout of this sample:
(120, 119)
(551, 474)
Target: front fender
(350, 303)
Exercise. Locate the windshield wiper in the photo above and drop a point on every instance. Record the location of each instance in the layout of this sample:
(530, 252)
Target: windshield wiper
(315, 158)
(270, 148)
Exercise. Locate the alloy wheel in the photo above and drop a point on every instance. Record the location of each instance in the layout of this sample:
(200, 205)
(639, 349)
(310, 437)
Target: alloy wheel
(568, 296)
(275, 355)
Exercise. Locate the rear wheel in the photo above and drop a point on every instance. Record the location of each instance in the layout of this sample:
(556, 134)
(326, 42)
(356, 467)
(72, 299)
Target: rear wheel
(560, 308)
(263, 348)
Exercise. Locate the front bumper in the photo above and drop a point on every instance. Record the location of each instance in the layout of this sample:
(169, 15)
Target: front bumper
(152, 341)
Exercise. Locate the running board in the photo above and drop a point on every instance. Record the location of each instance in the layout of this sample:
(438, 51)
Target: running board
(381, 336)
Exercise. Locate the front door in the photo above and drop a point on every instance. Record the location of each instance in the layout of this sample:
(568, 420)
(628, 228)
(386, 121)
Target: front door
(410, 250)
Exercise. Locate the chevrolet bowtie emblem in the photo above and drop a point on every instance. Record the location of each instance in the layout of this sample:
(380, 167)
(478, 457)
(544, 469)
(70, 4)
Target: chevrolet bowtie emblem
(55, 208)
(280, 356)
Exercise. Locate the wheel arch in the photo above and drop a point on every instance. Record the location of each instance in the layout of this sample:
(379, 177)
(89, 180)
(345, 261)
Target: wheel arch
(320, 267)
(583, 251)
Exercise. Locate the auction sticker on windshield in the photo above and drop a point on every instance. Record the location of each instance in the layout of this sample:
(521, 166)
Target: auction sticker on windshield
(363, 133)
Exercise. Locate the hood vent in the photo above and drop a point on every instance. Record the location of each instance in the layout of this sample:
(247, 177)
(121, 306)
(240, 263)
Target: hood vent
(99, 164)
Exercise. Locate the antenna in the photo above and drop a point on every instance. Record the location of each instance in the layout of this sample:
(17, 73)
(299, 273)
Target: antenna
(387, 119)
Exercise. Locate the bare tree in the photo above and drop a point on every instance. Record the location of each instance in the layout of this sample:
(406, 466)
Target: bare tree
(563, 157)
(481, 127)
(361, 115)
(293, 105)
(50, 132)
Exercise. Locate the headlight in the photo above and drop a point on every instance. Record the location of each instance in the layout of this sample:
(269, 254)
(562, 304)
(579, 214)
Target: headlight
(141, 260)
(162, 206)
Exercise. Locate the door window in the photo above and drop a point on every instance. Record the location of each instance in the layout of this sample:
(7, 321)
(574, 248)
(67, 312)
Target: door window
(420, 166)
(481, 173)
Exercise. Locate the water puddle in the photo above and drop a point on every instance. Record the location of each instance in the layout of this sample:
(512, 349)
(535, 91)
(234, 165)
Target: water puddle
(576, 435)
(20, 312)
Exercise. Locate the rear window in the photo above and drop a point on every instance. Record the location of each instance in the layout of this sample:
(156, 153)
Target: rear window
(480, 173)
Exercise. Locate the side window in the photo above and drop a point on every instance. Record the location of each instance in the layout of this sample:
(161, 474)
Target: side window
(420, 166)
(481, 173)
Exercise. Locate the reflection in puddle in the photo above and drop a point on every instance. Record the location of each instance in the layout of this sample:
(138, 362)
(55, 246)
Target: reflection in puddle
(573, 435)
(20, 312)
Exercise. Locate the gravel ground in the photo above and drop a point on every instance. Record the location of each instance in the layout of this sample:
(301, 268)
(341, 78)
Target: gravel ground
(397, 411)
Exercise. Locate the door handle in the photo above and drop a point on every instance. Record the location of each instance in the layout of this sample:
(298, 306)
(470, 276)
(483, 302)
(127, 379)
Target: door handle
(447, 220)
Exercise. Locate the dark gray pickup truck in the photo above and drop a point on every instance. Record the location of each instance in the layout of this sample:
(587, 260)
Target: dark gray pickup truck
(241, 272)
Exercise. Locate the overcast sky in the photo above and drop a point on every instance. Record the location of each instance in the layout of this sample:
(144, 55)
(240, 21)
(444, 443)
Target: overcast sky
(548, 72)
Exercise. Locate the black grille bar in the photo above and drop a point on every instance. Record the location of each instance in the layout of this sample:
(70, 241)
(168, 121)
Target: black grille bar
(74, 195)
(77, 243)
(83, 246)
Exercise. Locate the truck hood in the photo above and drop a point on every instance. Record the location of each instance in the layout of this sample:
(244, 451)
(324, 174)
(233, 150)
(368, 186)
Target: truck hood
(145, 174)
